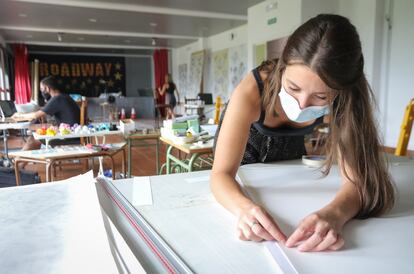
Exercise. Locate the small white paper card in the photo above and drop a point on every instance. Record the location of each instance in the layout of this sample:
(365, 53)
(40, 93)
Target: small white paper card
(141, 191)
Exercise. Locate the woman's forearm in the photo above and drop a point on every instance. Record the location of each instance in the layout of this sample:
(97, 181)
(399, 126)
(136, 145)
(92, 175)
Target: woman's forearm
(346, 203)
(228, 193)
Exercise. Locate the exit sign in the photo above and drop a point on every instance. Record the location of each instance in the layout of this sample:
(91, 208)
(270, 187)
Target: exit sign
(272, 21)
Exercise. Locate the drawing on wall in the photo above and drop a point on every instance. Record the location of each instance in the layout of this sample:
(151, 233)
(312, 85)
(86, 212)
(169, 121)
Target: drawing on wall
(238, 65)
(208, 79)
(182, 78)
(221, 73)
(196, 73)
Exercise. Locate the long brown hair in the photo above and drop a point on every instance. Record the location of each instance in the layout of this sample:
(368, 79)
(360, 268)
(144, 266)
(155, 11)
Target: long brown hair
(330, 46)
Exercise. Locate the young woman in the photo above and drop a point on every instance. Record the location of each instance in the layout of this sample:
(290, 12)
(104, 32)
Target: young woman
(169, 88)
(318, 77)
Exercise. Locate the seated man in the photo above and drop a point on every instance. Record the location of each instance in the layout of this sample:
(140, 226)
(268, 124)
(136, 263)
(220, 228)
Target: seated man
(59, 105)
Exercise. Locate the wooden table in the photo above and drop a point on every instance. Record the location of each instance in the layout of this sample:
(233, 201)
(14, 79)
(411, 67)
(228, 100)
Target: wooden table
(191, 149)
(50, 156)
(139, 140)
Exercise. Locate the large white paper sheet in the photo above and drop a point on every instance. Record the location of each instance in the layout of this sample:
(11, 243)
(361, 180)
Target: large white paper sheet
(54, 228)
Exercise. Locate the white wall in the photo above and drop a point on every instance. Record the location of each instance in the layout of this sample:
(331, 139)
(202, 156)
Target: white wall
(311, 8)
(288, 15)
(400, 73)
(228, 39)
(363, 15)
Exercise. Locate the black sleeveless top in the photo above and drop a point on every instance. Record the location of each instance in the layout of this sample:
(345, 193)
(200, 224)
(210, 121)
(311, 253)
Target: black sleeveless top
(267, 144)
(171, 88)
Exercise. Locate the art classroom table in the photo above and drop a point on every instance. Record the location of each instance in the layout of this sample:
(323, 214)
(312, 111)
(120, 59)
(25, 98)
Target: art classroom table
(141, 140)
(4, 127)
(49, 157)
(54, 228)
(189, 231)
(95, 134)
(193, 150)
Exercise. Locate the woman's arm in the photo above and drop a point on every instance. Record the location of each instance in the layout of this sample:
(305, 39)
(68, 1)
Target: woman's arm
(244, 108)
(321, 230)
(178, 95)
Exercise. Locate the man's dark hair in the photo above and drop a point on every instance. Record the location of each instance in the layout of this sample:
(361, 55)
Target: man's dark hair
(51, 82)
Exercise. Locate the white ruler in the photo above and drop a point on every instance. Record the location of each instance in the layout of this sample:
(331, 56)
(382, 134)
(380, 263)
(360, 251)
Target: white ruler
(273, 247)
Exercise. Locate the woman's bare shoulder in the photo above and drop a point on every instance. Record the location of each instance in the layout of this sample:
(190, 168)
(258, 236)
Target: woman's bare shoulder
(248, 89)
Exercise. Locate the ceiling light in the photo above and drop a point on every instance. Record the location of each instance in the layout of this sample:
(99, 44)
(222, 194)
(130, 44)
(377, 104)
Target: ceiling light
(93, 20)
(127, 41)
(153, 42)
(29, 36)
(59, 37)
(152, 24)
(81, 38)
(23, 15)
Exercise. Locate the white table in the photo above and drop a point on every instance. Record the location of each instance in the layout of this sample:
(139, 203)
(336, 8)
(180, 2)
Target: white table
(4, 127)
(59, 136)
(201, 233)
(54, 228)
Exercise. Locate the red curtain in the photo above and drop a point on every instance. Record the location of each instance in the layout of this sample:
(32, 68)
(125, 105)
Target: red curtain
(160, 70)
(22, 88)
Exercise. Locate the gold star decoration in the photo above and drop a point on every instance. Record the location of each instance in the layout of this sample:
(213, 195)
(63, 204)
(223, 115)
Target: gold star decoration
(110, 83)
(118, 66)
(118, 76)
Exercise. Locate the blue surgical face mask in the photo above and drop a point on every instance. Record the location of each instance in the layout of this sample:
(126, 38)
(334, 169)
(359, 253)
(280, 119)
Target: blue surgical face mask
(293, 111)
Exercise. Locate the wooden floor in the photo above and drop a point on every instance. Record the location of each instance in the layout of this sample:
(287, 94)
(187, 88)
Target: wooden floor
(143, 160)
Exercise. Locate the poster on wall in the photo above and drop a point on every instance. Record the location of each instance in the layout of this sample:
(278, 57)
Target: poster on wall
(238, 65)
(221, 73)
(182, 78)
(196, 74)
(85, 75)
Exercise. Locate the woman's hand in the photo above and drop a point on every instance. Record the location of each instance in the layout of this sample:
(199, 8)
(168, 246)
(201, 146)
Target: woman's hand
(255, 224)
(319, 231)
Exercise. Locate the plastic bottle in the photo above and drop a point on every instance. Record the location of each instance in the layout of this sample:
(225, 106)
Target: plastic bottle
(123, 114)
(133, 115)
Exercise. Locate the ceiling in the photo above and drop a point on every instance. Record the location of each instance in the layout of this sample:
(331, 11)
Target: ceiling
(116, 26)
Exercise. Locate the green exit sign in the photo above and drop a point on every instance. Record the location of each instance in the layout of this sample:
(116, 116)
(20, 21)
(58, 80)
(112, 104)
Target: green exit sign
(272, 21)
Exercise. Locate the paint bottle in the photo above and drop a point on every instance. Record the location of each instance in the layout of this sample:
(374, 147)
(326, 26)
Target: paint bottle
(123, 114)
(133, 115)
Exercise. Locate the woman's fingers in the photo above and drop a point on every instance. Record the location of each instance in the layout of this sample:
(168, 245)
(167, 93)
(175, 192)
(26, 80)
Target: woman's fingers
(297, 236)
(330, 239)
(249, 234)
(339, 244)
(269, 226)
(258, 229)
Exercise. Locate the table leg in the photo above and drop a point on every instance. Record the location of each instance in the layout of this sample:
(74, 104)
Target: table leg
(47, 169)
(113, 167)
(123, 162)
(129, 157)
(191, 162)
(168, 161)
(16, 171)
(157, 160)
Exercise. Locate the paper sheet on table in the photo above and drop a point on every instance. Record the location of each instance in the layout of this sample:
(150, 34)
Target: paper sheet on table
(201, 179)
(57, 228)
(141, 192)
